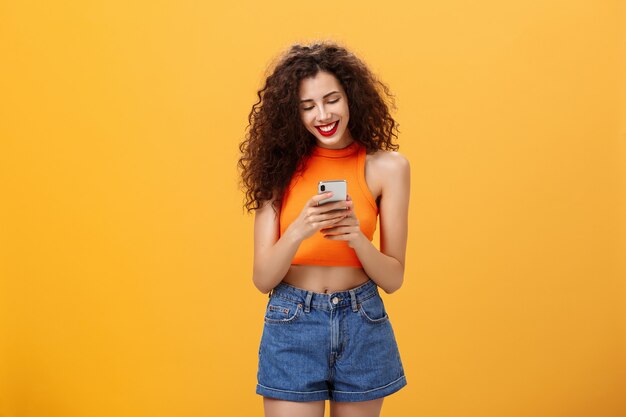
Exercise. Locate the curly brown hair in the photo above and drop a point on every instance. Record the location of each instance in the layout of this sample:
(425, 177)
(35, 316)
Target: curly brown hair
(277, 143)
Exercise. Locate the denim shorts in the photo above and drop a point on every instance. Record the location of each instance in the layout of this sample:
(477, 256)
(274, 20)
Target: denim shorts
(338, 346)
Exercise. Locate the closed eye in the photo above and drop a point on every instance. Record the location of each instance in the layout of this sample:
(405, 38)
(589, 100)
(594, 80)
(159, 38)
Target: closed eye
(330, 102)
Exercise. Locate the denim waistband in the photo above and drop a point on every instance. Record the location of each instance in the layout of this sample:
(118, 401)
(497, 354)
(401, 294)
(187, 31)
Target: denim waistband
(326, 301)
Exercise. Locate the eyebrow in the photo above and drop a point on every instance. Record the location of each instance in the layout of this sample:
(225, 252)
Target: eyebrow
(310, 99)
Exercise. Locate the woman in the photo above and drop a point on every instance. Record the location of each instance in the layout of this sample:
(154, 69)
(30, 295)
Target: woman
(322, 115)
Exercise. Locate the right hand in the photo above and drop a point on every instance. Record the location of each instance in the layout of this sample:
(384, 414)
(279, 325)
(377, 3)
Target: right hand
(314, 217)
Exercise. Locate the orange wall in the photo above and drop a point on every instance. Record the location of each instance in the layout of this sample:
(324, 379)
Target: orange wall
(125, 257)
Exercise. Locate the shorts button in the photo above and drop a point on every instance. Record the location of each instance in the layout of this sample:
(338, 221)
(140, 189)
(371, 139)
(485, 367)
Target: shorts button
(335, 300)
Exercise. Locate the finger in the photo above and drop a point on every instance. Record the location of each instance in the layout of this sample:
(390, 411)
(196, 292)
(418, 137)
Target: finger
(336, 205)
(340, 223)
(325, 223)
(335, 215)
(335, 237)
(314, 201)
(344, 228)
(350, 213)
(333, 220)
(343, 236)
(332, 231)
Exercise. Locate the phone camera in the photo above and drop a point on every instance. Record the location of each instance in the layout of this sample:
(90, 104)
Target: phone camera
(323, 187)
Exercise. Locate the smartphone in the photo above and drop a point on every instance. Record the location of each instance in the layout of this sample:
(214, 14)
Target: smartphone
(338, 187)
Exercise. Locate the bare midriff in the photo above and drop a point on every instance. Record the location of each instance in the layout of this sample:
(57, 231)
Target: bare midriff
(325, 279)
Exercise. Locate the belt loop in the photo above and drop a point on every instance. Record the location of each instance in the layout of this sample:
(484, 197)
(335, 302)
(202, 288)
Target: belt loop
(269, 294)
(307, 302)
(353, 300)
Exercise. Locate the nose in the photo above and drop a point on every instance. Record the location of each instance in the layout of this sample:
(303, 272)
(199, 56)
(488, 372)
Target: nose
(323, 115)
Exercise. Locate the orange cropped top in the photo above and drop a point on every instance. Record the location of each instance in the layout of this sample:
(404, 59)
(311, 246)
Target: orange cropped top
(330, 164)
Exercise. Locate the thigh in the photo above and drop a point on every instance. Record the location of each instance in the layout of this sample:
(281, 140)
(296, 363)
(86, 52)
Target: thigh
(369, 408)
(282, 408)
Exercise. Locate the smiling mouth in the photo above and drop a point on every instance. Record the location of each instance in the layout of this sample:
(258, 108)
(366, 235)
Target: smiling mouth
(329, 129)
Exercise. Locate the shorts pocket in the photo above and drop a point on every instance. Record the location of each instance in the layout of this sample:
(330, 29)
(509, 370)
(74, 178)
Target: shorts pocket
(373, 310)
(282, 311)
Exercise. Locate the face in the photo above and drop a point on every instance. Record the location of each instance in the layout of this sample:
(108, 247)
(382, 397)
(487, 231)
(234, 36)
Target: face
(324, 110)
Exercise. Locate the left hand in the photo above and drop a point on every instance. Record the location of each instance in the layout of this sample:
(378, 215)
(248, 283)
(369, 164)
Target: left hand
(347, 229)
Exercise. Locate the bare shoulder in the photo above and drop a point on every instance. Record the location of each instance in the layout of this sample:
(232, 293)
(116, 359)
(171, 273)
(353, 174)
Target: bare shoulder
(389, 164)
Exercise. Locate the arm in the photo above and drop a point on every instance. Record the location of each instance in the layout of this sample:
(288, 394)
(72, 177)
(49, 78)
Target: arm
(386, 267)
(272, 256)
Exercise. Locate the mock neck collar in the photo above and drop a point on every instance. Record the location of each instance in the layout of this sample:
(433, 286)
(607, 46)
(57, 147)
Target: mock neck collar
(336, 153)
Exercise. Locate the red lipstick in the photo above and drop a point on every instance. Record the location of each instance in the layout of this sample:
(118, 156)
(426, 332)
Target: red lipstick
(330, 132)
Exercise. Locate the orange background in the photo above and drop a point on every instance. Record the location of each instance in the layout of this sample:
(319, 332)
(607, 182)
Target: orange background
(126, 258)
